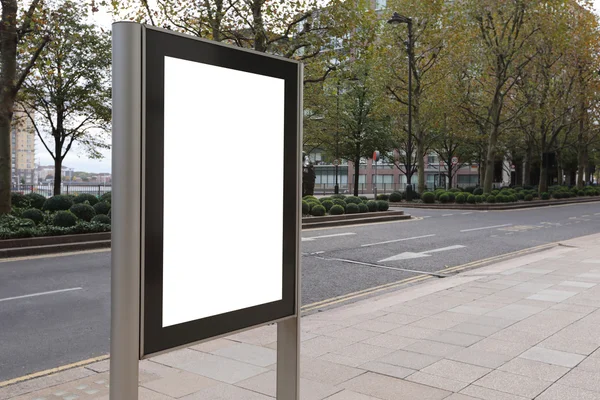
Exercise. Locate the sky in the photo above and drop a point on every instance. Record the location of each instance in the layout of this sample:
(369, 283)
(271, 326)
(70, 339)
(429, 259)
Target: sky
(76, 158)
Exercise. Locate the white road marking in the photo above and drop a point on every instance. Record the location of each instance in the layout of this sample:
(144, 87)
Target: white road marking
(40, 294)
(410, 255)
(427, 216)
(447, 215)
(467, 213)
(585, 216)
(596, 213)
(397, 240)
(485, 227)
(572, 217)
(310, 239)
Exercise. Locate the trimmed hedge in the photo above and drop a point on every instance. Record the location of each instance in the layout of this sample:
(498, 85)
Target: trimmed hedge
(103, 207)
(64, 219)
(317, 211)
(461, 198)
(545, 196)
(362, 208)
(305, 207)
(352, 208)
(102, 219)
(471, 199)
(339, 202)
(428, 197)
(82, 198)
(327, 204)
(528, 197)
(352, 200)
(336, 210)
(83, 211)
(106, 197)
(478, 191)
(372, 205)
(490, 199)
(60, 202)
(383, 197)
(444, 198)
(33, 214)
(36, 200)
(396, 197)
(19, 200)
(383, 205)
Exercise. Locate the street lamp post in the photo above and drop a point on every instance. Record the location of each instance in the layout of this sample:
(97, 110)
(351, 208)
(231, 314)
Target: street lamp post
(336, 189)
(396, 20)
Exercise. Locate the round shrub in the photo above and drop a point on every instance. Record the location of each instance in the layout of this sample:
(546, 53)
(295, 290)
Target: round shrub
(364, 198)
(455, 190)
(305, 207)
(101, 218)
(352, 200)
(317, 211)
(557, 195)
(451, 197)
(528, 197)
(362, 208)
(102, 207)
(83, 211)
(383, 197)
(26, 223)
(396, 197)
(580, 193)
(479, 198)
(382, 205)
(461, 198)
(444, 198)
(416, 195)
(428, 197)
(490, 199)
(501, 198)
(336, 210)
(82, 198)
(352, 208)
(590, 192)
(518, 188)
(36, 200)
(309, 197)
(60, 202)
(322, 199)
(372, 205)
(338, 196)
(520, 196)
(312, 203)
(106, 197)
(495, 192)
(339, 202)
(438, 193)
(327, 204)
(19, 200)
(33, 214)
(64, 219)
(478, 192)
(470, 189)
(471, 199)
(545, 196)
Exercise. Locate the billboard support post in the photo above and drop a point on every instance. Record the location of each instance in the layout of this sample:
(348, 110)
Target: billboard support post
(126, 211)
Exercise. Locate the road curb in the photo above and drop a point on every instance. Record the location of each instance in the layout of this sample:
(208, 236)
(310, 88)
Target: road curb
(499, 207)
(352, 219)
(12, 248)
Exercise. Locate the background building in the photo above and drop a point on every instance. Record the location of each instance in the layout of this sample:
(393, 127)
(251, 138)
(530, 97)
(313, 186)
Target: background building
(23, 150)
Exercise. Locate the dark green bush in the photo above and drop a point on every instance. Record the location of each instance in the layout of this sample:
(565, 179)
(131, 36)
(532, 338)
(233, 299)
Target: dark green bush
(362, 208)
(396, 197)
(309, 197)
(352, 208)
(83, 211)
(305, 208)
(27, 223)
(471, 199)
(490, 199)
(383, 197)
(327, 204)
(382, 205)
(451, 197)
(444, 198)
(322, 199)
(352, 200)
(338, 196)
(60, 202)
(495, 192)
(461, 198)
(106, 197)
(514, 198)
(501, 198)
(528, 197)
(545, 196)
(339, 202)
(102, 219)
(336, 210)
(19, 200)
(470, 189)
(580, 193)
(103, 207)
(64, 219)
(415, 195)
(478, 191)
(36, 200)
(428, 197)
(479, 198)
(557, 195)
(364, 198)
(33, 214)
(372, 205)
(82, 198)
(518, 188)
(455, 190)
(317, 211)
(438, 193)
(520, 196)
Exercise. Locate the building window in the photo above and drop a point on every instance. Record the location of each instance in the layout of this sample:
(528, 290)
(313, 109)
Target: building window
(432, 159)
(384, 179)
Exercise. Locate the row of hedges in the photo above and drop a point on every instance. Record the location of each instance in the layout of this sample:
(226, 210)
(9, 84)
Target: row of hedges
(58, 215)
(340, 204)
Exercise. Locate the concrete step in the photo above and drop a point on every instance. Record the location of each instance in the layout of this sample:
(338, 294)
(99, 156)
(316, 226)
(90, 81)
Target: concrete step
(354, 221)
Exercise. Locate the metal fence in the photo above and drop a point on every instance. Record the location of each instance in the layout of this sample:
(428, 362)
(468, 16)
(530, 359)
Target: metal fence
(48, 190)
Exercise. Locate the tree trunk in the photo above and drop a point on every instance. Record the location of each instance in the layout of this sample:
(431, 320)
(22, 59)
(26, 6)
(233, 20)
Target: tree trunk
(260, 37)
(420, 167)
(581, 162)
(489, 165)
(543, 185)
(527, 167)
(57, 175)
(5, 163)
(356, 174)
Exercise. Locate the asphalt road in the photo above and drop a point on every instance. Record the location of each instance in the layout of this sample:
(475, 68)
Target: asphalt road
(41, 330)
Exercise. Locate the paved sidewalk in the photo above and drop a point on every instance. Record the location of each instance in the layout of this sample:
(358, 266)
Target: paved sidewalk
(528, 328)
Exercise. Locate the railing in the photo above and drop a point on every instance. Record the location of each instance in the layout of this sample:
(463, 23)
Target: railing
(48, 190)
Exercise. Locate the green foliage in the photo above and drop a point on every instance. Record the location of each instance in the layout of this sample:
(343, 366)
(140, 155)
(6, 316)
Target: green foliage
(310, 197)
(382, 205)
(396, 197)
(490, 199)
(364, 198)
(64, 219)
(495, 192)
(322, 199)
(444, 198)
(471, 199)
(327, 204)
(338, 196)
(470, 189)
(83, 211)
(478, 191)
(438, 193)
(385, 197)
(305, 207)
(520, 196)
(461, 198)
(580, 193)
(19, 200)
(339, 202)
(372, 205)
(336, 210)
(428, 197)
(36, 200)
(106, 197)
(33, 214)
(352, 200)
(545, 196)
(479, 198)
(102, 219)
(60, 202)
(317, 210)
(103, 207)
(528, 197)
(451, 197)
(362, 208)
(82, 198)
(455, 190)
(352, 208)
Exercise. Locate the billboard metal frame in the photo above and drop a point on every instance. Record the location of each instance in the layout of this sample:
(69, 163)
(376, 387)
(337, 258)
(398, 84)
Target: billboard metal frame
(136, 281)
